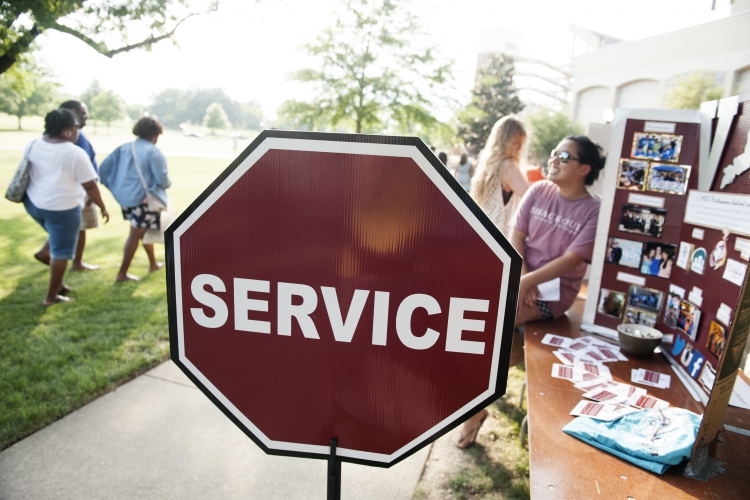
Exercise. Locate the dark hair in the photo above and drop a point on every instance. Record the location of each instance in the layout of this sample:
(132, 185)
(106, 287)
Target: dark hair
(590, 154)
(71, 105)
(147, 127)
(58, 120)
(443, 157)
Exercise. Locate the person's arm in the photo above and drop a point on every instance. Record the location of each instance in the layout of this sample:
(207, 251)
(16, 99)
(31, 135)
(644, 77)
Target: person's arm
(158, 165)
(92, 191)
(517, 182)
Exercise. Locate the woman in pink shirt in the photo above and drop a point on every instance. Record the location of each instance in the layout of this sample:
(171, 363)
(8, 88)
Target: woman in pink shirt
(554, 231)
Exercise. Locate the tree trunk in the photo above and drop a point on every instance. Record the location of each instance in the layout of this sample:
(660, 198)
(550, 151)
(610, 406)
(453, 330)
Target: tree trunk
(359, 126)
(19, 47)
(19, 122)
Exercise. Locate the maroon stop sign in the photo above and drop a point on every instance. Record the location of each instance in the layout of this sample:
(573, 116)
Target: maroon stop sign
(341, 286)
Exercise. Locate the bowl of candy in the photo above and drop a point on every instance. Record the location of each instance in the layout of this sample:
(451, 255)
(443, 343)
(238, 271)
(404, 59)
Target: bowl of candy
(638, 340)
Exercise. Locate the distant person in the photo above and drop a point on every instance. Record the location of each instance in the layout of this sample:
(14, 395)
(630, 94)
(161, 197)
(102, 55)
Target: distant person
(499, 184)
(61, 177)
(119, 172)
(443, 157)
(463, 172)
(89, 218)
(616, 252)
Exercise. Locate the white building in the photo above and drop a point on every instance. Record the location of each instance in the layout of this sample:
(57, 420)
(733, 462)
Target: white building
(611, 74)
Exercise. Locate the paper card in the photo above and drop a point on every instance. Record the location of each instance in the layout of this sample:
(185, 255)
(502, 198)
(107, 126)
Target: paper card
(630, 278)
(628, 390)
(745, 255)
(735, 272)
(697, 291)
(646, 200)
(599, 383)
(613, 354)
(695, 298)
(648, 377)
(648, 402)
(724, 314)
(556, 340)
(601, 411)
(742, 245)
(677, 290)
(667, 338)
(740, 394)
(549, 290)
(683, 255)
(663, 127)
(595, 354)
(606, 395)
(719, 210)
(578, 345)
(698, 233)
(566, 357)
(581, 370)
(562, 371)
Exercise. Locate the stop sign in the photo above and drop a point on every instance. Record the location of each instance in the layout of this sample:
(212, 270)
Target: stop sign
(341, 286)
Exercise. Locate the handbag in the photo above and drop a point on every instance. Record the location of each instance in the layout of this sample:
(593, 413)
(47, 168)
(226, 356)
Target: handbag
(20, 183)
(166, 217)
(152, 201)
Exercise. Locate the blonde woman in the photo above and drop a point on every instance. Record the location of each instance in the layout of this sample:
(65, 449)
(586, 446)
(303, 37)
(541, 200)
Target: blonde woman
(499, 184)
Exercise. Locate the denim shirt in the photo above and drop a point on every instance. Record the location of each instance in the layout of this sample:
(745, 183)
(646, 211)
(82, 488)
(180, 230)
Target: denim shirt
(119, 174)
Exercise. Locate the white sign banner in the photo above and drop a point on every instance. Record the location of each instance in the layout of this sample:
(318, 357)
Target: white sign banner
(630, 278)
(663, 127)
(646, 200)
(719, 211)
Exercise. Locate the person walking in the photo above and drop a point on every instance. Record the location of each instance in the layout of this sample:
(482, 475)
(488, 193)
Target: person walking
(463, 172)
(89, 219)
(61, 177)
(132, 172)
(499, 184)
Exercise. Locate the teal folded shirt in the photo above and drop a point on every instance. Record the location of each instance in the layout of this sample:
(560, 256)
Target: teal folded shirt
(652, 439)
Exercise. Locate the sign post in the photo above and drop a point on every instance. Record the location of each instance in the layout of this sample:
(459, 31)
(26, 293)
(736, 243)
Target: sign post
(341, 297)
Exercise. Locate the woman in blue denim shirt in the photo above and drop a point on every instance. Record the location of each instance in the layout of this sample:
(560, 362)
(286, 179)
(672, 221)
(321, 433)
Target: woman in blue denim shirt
(119, 173)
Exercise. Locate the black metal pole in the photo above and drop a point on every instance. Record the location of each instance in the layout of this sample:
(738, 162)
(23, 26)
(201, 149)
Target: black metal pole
(334, 473)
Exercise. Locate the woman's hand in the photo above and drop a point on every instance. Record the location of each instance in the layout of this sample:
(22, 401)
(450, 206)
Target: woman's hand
(527, 294)
(105, 215)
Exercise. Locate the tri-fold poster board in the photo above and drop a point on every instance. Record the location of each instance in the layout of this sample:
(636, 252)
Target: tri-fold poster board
(673, 238)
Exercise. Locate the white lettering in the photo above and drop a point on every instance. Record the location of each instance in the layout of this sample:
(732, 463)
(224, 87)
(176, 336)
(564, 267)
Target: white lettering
(221, 313)
(403, 321)
(458, 324)
(242, 305)
(380, 318)
(343, 329)
(301, 312)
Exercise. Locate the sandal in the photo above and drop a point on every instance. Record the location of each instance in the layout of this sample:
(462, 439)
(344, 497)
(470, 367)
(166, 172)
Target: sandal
(59, 300)
(65, 290)
(469, 439)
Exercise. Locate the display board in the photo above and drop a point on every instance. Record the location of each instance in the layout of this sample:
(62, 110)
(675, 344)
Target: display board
(672, 248)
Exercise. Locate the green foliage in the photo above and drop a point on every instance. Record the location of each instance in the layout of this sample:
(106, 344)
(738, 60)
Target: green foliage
(688, 92)
(493, 97)
(546, 130)
(106, 106)
(93, 90)
(21, 21)
(173, 107)
(25, 91)
(376, 72)
(135, 111)
(216, 117)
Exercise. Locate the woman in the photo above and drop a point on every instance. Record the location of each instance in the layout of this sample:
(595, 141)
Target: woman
(463, 172)
(119, 172)
(665, 269)
(60, 178)
(647, 260)
(499, 183)
(554, 231)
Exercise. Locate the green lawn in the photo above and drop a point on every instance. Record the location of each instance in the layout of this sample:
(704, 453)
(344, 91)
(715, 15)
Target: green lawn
(54, 360)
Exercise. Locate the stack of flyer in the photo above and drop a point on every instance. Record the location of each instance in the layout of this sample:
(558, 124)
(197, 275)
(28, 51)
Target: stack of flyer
(583, 363)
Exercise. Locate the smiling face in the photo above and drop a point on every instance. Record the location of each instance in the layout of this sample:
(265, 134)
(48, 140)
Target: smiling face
(83, 114)
(565, 168)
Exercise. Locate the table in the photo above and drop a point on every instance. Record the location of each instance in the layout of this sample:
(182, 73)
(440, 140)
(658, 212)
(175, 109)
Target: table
(563, 467)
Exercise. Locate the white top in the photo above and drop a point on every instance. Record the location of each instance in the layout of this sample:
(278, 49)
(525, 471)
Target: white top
(464, 174)
(501, 213)
(56, 174)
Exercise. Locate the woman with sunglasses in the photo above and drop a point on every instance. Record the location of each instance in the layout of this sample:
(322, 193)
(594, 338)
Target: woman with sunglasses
(554, 231)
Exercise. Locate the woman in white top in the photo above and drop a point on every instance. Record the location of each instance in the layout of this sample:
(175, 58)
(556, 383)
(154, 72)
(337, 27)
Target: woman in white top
(499, 184)
(60, 177)
(463, 172)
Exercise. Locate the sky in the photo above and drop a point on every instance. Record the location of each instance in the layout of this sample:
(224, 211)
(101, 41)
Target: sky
(250, 49)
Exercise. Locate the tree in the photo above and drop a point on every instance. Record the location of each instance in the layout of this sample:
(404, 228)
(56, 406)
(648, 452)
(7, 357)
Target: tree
(376, 71)
(21, 21)
(688, 92)
(24, 91)
(216, 117)
(92, 91)
(174, 107)
(546, 130)
(135, 111)
(106, 106)
(494, 96)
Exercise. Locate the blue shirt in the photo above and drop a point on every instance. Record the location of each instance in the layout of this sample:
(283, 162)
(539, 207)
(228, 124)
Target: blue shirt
(119, 174)
(84, 144)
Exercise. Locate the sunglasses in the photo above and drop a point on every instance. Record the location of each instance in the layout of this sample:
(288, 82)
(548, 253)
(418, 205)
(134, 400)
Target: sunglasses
(563, 156)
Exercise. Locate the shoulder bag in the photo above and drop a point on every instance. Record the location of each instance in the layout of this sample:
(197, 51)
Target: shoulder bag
(153, 202)
(20, 183)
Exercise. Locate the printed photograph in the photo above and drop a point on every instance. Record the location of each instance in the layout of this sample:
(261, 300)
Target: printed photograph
(642, 220)
(698, 260)
(672, 310)
(658, 259)
(660, 147)
(645, 298)
(624, 252)
(637, 316)
(633, 174)
(672, 179)
(611, 303)
(687, 320)
(717, 338)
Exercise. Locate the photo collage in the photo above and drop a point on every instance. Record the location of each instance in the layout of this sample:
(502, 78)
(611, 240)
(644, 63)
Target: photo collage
(652, 165)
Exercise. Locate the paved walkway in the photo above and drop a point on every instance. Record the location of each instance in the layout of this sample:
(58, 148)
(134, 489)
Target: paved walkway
(159, 437)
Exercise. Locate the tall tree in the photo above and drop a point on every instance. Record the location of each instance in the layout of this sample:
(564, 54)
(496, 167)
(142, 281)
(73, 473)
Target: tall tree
(216, 118)
(21, 21)
(26, 91)
(376, 70)
(688, 92)
(547, 128)
(106, 106)
(494, 96)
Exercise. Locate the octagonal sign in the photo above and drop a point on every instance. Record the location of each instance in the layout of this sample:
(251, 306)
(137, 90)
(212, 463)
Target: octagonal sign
(341, 286)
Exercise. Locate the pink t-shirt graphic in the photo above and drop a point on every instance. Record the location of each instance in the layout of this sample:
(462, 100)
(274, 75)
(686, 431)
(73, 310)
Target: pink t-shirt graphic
(555, 225)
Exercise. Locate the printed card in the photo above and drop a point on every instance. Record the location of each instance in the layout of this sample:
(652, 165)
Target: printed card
(653, 379)
(601, 411)
(562, 371)
(612, 354)
(557, 341)
(647, 402)
(584, 371)
(567, 358)
(606, 396)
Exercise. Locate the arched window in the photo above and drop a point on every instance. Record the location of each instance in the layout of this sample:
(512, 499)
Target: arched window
(639, 94)
(591, 105)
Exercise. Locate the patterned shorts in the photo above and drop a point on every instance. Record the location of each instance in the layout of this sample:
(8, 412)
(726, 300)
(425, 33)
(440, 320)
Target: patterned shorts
(140, 217)
(546, 311)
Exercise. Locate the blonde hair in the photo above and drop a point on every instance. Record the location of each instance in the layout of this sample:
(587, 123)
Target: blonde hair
(501, 153)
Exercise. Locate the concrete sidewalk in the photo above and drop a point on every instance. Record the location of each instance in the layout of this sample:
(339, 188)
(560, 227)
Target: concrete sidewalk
(159, 437)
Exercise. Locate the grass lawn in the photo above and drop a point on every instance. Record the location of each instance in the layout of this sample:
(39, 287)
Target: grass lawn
(54, 360)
